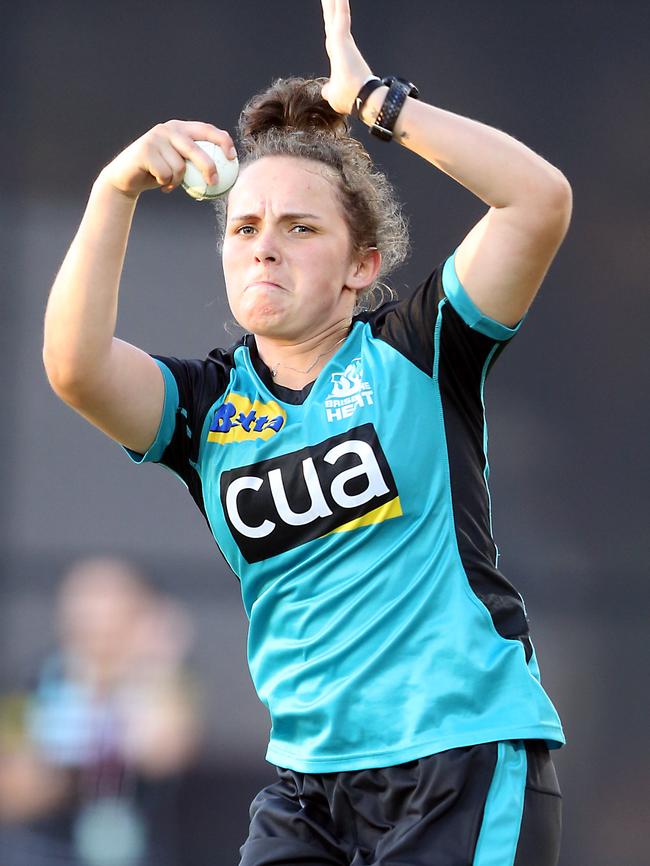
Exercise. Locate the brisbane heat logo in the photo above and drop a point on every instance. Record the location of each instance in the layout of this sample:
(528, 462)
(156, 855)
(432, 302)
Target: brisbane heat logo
(337, 485)
(349, 392)
(240, 420)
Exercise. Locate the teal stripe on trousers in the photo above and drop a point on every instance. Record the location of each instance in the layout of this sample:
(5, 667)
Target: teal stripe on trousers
(504, 806)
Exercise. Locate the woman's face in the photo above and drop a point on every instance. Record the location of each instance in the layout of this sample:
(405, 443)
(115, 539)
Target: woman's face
(287, 253)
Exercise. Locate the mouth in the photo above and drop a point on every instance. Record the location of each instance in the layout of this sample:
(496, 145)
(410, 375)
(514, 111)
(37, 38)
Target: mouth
(261, 283)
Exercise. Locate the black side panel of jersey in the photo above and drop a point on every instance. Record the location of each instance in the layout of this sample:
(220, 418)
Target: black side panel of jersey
(409, 327)
(199, 383)
(463, 354)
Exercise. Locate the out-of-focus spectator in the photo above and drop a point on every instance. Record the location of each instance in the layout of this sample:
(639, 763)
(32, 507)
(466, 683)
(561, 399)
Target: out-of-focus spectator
(113, 718)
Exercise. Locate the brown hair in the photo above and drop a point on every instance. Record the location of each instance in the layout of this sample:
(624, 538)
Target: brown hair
(291, 118)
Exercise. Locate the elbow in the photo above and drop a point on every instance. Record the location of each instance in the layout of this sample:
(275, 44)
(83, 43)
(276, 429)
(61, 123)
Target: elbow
(561, 195)
(556, 195)
(561, 206)
(52, 369)
(57, 376)
(550, 205)
(66, 379)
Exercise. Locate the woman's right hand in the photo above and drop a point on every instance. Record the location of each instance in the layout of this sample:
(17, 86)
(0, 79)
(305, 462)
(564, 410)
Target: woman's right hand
(156, 160)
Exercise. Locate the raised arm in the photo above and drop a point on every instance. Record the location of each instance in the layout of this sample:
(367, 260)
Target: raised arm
(116, 386)
(505, 256)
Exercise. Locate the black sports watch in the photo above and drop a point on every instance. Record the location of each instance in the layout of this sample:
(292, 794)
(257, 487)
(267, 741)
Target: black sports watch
(398, 90)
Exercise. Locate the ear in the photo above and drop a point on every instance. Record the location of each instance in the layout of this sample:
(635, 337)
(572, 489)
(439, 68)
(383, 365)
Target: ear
(364, 270)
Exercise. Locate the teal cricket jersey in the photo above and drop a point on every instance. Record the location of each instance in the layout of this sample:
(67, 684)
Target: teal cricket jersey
(356, 515)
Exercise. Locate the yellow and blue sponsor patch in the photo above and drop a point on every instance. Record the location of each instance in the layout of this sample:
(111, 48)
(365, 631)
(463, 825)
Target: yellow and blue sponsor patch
(239, 419)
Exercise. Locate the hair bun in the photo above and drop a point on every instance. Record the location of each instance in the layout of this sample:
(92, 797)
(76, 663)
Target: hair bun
(292, 105)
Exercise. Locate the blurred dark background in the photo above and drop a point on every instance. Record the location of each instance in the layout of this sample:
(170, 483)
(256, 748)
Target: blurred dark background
(567, 403)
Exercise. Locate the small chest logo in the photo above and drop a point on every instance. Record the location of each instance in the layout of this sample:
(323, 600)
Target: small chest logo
(349, 392)
(240, 420)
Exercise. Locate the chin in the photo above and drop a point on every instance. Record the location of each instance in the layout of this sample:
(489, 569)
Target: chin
(266, 317)
(265, 322)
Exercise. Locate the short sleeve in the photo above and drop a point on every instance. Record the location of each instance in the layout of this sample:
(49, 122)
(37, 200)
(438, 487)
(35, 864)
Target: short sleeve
(467, 309)
(191, 389)
(167, 421)
(439, 316)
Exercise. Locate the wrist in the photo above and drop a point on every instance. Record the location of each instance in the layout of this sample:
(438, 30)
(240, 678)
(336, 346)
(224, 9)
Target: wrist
(372, 106)
(363, 89)
(105, 188)
(383, 118)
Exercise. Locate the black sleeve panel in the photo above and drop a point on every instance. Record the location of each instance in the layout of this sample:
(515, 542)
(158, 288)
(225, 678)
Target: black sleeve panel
(464, 350)
(200, 384)
(409, 327)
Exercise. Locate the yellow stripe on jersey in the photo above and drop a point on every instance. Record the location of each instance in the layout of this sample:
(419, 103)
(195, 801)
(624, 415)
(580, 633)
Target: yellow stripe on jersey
(384, 512)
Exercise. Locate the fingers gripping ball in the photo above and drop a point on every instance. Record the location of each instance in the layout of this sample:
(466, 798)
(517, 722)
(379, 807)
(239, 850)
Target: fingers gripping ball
(196, 185)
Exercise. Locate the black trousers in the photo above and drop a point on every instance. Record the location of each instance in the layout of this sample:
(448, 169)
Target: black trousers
(493, 804)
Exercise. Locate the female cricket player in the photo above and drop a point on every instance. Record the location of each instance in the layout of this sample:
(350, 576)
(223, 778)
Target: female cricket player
(338, 454)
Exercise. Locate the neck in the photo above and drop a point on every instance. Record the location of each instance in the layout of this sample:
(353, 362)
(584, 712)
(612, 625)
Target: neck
(296, 363)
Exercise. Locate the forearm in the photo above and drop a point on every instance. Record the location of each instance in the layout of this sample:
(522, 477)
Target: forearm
(501, 171)
(82, 308)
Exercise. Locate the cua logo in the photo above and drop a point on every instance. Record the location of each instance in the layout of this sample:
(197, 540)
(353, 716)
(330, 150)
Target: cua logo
(338, 485)
(240, 420)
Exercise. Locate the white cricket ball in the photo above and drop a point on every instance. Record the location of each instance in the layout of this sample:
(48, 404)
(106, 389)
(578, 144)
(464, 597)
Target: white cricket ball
(194, 182)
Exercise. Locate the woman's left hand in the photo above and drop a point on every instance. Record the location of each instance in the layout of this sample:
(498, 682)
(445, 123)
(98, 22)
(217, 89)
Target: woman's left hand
(348, 69)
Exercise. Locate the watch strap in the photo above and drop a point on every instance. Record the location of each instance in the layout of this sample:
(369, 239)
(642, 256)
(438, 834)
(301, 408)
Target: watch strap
(413, 90)
(393, 103)
(371, 83)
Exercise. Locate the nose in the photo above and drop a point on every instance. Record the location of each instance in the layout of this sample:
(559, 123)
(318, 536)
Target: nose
(266, 247)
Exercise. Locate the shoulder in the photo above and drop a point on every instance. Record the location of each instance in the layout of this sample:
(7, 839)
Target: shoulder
(196, 376)
(437, 318)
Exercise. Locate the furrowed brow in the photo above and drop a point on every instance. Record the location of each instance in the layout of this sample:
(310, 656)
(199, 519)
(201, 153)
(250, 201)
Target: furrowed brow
(251, 217)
